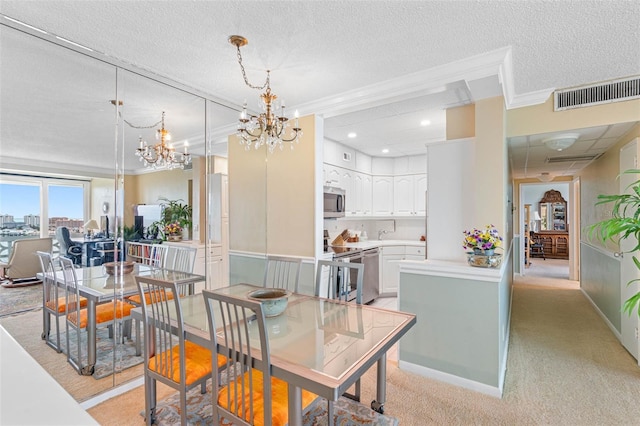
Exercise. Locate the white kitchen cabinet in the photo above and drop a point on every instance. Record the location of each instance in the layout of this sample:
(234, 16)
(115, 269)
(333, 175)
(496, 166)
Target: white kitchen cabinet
(218, 256)
(409, 193)
(390, 258)
(362, 194)
(420, 194)
(403, 192)
(382, 195)
(351, 197)
(216, 270)
(367, 194)
(332, 176)
(415, 253)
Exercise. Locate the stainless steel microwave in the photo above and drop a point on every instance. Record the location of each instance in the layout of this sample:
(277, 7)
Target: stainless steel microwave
(334, 202)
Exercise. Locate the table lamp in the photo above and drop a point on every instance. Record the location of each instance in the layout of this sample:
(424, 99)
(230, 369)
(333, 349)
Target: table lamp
(90, 226)
(536, 219)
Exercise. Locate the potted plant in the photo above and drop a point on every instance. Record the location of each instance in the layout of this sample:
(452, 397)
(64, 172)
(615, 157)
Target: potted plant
(176, 217)
(483, 243)
(624, 223)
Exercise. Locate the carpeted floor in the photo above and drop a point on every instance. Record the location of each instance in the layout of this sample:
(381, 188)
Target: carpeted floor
(565, 367)
(16, 300)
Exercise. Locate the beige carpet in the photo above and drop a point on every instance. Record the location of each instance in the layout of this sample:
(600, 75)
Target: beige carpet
(565, 367)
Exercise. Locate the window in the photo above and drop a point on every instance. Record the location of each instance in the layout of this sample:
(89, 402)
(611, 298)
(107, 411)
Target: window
(33, 207)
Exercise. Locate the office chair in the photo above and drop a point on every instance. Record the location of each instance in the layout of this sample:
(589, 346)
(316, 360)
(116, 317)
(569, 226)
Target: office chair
(69, 248)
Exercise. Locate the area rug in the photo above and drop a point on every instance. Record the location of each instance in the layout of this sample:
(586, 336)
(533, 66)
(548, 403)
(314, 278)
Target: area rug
(15, 300)
(346, 412)
(125, 357)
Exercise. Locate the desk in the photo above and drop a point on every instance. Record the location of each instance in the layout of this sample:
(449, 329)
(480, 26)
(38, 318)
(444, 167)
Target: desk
(320, 345)
(89, 250)
(99, 287)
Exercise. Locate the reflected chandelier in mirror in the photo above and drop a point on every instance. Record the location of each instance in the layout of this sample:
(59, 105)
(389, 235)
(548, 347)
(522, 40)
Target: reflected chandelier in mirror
(162, 155)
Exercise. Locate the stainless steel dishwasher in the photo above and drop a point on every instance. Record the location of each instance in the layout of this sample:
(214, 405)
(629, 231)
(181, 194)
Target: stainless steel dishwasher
(371, 279)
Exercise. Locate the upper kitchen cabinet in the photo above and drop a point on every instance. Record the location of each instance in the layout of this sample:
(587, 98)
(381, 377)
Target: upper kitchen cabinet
(382, 195)
(409, 195)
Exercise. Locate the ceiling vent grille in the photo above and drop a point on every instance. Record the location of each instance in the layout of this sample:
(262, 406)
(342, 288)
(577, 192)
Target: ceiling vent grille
(596, 94)
(572, 158)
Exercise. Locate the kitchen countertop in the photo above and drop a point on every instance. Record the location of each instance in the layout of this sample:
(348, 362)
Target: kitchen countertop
(382, 243)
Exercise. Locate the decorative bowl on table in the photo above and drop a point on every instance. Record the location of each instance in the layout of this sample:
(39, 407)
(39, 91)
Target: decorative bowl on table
(274, 300)
(114, 268)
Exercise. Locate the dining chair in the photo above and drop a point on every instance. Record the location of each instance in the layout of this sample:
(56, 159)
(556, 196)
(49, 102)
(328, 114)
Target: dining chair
(181, 259)
(282, 272)
(336, 280)
(107, 314)
(254, 397)
(339, 280)
(53, 302)
(169, 357)
(156, 255)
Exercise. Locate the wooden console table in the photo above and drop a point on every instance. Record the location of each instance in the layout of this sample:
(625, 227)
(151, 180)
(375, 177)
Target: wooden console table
(555, 244)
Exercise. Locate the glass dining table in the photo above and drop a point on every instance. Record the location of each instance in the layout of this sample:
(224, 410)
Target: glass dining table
(98, 287)
(321, 345)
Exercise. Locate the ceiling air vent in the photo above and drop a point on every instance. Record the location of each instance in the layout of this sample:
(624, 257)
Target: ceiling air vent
(595, 94)
(572, 158)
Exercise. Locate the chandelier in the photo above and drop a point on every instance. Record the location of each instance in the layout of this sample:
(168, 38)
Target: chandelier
(162, 155)
(269, 127)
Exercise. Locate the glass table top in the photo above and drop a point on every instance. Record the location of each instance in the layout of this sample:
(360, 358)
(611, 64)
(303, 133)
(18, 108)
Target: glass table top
(322, 335)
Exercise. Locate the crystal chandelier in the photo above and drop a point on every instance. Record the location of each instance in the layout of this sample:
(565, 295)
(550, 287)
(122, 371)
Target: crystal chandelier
(162, 155)
(270, 127)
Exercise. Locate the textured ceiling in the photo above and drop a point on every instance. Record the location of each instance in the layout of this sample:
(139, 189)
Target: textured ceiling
(323, 52)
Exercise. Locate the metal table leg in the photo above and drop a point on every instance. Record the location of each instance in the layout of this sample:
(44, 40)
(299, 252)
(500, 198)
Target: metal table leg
(381, 392)
(295, 405)
(91, 337)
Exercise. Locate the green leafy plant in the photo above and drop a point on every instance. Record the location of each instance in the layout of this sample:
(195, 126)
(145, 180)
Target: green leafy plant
(129, 233)
(623, 224)
(174, 212)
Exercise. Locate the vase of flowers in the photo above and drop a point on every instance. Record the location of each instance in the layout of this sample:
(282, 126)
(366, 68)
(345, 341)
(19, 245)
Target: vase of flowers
(173, 231)
(483, 243)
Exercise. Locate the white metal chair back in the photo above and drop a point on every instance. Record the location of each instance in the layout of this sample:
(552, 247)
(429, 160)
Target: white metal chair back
(282, 272)
(50, 296)
(181, 259)
(164, 344)
(157, 255)
(334, 280)
(232, 324)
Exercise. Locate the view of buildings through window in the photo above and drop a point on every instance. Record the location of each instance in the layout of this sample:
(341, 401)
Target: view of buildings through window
(34, 209)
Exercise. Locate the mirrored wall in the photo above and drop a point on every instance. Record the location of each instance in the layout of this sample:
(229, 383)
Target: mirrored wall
(73, 116)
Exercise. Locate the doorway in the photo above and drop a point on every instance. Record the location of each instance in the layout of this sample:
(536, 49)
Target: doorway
(553, 251)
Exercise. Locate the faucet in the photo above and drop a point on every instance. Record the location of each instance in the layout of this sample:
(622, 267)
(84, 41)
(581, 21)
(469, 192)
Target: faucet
(381, 232)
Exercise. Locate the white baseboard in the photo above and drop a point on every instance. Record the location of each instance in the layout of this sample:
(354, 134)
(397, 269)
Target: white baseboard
(451, 379)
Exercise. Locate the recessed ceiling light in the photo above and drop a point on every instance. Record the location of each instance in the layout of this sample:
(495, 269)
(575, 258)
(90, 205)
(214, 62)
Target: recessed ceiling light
(385, 151)
(425, 122)
(352, 135)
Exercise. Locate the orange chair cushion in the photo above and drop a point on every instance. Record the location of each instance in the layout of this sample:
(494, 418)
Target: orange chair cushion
(104, 313)
(279, 398)
(51, 304)
(138, 301)
(197, 363)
